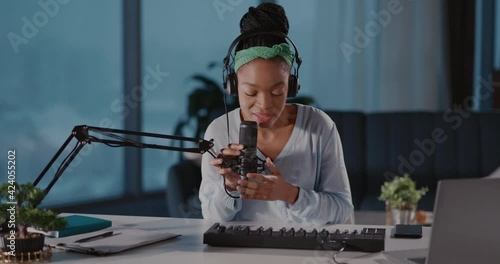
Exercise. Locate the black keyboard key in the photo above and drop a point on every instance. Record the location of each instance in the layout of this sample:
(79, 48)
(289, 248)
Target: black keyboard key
(242, 230)
(267, 232)
(300, 233)
(312, 234)
(290, 232)
(255, 231)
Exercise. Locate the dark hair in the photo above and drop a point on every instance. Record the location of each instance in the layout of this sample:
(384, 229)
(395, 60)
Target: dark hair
(264, 17)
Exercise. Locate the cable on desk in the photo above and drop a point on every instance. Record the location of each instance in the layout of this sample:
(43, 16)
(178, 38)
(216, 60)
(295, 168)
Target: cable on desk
(335, 255)
(332, 247)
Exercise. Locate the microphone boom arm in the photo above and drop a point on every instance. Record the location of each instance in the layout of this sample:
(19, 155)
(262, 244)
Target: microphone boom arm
(82, 134)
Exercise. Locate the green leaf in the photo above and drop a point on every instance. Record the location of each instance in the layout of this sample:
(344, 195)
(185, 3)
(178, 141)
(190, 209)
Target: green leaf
(401, 192)
(27, 195)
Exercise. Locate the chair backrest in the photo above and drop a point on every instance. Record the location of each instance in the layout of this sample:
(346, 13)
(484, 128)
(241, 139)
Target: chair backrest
(183, 184)
(351, 127)
(432, 146)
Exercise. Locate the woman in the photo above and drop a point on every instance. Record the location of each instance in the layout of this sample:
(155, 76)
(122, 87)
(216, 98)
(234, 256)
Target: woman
(305, 180)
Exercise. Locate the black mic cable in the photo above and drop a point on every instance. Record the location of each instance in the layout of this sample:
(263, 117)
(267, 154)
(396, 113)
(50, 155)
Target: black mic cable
(228, 142)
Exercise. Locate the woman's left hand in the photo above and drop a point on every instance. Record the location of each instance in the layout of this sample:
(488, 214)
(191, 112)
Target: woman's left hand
(268, 187)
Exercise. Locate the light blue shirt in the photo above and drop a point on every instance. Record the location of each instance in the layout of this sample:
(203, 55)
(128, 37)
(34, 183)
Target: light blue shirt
(312, 159)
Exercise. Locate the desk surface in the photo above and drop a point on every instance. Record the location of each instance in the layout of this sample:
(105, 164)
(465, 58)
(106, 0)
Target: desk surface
(189, 247)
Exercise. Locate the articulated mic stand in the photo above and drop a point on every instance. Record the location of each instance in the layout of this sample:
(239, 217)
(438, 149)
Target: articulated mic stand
(82, 134)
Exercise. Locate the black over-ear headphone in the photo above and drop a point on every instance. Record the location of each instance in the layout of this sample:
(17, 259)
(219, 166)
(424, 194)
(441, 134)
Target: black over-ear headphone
(230, 82)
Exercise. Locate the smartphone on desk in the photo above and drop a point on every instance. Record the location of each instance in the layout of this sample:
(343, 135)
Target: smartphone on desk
(408, 231)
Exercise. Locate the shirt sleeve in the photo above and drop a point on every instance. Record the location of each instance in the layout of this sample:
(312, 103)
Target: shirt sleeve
(215, 203)
(330, 202)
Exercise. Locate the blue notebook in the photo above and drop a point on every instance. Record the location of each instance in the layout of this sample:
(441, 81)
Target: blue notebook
(79, 224)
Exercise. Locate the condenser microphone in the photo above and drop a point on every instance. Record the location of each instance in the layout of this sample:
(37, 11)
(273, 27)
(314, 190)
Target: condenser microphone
(248, 161)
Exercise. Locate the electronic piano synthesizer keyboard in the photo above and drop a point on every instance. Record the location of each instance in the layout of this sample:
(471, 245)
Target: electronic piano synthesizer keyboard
(366, 239)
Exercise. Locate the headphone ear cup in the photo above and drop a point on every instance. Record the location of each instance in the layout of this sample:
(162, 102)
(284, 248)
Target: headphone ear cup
(231, 84)
(293, 86)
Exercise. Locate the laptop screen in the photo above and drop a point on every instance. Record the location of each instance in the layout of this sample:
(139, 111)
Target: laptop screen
(466, 218)
(465, 226)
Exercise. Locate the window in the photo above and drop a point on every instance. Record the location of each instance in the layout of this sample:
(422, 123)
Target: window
(181, 39)
(60, 69)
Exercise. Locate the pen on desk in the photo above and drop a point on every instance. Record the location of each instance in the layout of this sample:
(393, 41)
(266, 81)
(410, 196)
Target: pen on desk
(96, 237)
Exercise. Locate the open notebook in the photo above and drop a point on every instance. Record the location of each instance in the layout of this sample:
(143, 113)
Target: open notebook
(110, 240)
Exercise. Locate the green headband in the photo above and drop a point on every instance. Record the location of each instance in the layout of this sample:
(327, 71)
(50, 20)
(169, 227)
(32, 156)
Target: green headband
(245, 56)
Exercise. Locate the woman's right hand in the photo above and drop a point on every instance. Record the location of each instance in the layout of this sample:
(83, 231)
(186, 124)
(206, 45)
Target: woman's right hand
(231, 177)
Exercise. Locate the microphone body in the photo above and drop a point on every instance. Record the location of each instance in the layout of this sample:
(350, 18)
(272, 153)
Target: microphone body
(248, 161)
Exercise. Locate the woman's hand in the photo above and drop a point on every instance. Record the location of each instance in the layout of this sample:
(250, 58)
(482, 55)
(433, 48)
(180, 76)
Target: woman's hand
(268, 187)
(231, 177)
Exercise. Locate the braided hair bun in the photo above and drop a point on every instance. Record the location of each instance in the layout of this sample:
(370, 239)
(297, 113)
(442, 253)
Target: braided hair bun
(264, 17)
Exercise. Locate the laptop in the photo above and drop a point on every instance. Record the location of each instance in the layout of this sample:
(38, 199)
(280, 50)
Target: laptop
(466, 225)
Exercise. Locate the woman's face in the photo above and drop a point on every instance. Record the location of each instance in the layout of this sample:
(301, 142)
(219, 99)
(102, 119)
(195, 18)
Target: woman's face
(262, 90)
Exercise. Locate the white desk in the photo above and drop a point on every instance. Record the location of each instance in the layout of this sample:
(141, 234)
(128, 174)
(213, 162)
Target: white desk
(189, 247)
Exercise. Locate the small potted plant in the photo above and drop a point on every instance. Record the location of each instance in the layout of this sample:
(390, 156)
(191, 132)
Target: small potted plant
(401, 196)
(18, 212)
